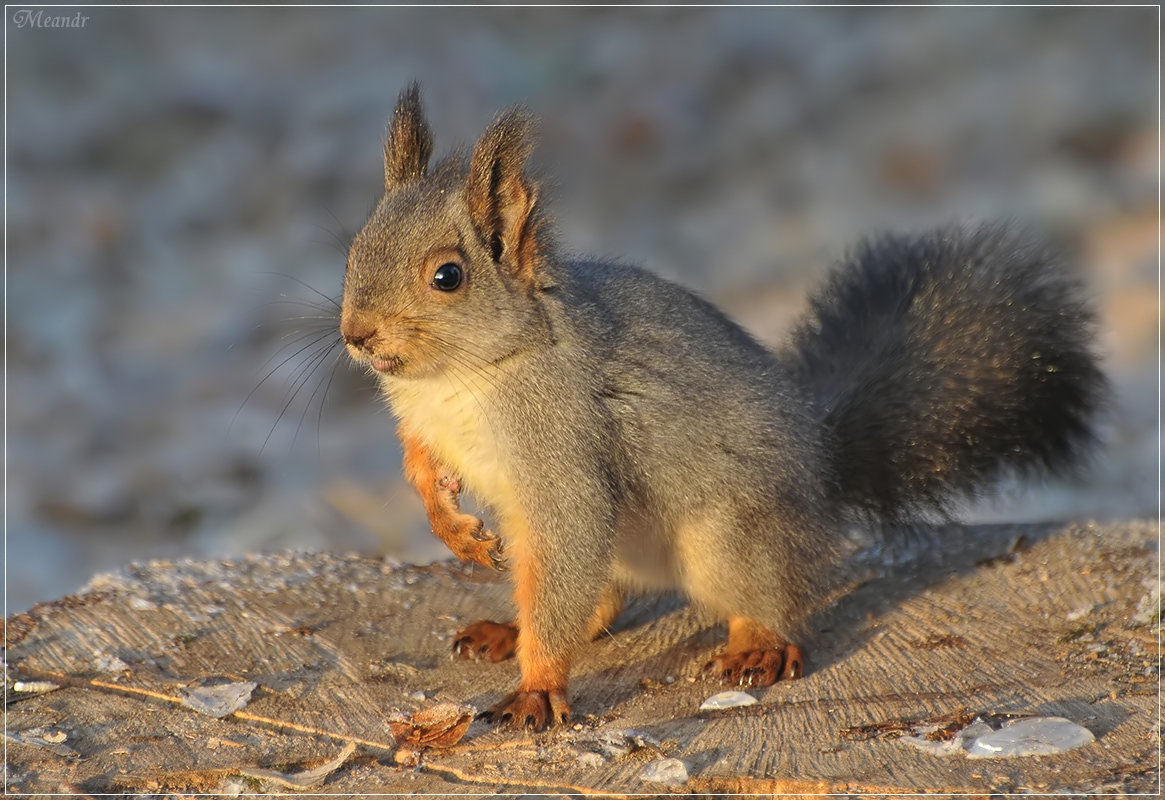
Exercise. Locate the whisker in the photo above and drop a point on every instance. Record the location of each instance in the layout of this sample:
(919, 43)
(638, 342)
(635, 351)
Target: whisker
(459, 345)
(304, 335)
(324, 399)
(348, 234)
(330, 245)
(331, 300)
(314, 361)
(273, 370)
(303, 330)
(331, 321)
(422, 329)
(462, 355)
(314, 306)
(335, 241)
(452, 353)
(316, 391)
(293, 338)
(305, 369)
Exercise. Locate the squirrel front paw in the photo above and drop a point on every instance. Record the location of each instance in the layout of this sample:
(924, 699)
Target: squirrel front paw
(464, 534)
(533, 710)
(758, 668)
(465, 537)
(493, 641)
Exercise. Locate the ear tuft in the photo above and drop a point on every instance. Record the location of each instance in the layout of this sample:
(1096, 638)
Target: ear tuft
(410, 140)
(502, 199)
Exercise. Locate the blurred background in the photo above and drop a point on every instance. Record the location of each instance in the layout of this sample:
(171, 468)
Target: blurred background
(182, 184)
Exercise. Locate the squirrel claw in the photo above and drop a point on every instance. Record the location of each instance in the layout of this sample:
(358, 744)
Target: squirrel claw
(498, 560)
(533, 710)
(470, 543)
(484, 535)
(489, 551)
(758, 668)
(495, 551)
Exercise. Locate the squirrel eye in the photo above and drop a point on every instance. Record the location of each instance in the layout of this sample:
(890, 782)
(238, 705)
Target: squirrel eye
(447, 277)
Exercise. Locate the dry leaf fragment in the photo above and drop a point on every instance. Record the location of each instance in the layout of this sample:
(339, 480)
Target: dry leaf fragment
(441, 726)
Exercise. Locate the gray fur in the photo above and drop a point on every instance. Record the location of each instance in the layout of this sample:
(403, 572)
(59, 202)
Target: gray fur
(651, 442)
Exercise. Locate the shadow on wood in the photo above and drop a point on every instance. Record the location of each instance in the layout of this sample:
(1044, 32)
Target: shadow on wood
(967, 621)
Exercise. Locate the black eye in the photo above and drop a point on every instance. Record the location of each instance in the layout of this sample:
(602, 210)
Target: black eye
(447, 277)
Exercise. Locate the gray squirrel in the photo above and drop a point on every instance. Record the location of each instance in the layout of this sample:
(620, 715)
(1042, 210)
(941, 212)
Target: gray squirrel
(626, 435)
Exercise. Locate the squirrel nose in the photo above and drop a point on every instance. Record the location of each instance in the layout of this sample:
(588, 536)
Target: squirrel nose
(356, 333)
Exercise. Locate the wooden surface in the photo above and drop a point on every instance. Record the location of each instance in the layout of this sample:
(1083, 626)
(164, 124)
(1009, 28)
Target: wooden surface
(977, 619)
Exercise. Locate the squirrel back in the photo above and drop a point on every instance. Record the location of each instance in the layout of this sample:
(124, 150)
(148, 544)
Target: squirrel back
(939, 362)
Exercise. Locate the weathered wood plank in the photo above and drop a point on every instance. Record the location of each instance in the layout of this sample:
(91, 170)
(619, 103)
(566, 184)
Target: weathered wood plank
(952, 622)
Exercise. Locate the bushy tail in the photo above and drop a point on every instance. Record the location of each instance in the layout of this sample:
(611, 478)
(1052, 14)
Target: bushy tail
(942, 361)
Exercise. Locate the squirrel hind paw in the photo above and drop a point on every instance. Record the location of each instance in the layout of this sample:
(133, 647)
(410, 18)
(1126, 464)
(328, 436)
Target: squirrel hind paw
(534, 710)
(757, 668)
(492, 641)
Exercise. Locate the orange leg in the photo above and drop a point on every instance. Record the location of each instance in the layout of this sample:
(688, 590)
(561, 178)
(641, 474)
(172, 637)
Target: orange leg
(540, 700)
(438, 488)
(756, 656)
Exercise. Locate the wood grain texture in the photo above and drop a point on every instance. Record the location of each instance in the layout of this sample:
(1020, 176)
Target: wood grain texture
(950, 621)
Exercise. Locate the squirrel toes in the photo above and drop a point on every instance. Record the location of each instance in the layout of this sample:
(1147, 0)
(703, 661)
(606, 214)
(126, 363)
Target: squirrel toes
(626, 435)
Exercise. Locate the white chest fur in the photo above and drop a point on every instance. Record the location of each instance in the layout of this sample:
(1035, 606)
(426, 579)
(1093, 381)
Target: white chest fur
(451, 414)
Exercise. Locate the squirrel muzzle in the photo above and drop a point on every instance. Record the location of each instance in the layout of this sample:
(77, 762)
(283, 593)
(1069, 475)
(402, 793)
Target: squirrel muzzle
(367, 345)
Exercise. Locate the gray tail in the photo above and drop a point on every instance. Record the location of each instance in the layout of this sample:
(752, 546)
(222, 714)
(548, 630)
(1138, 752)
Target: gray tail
(940, 362)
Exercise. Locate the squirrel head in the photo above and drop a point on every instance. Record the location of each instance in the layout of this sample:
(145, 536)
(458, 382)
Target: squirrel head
(446, 273)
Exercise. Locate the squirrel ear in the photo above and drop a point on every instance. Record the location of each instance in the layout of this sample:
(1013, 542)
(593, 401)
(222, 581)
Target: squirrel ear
(410, 140)
(501, 198)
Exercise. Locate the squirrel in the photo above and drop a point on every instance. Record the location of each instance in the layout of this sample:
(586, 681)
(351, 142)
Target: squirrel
(626, 435)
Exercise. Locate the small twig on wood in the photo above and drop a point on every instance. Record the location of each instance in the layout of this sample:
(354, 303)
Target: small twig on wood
(72, 681)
